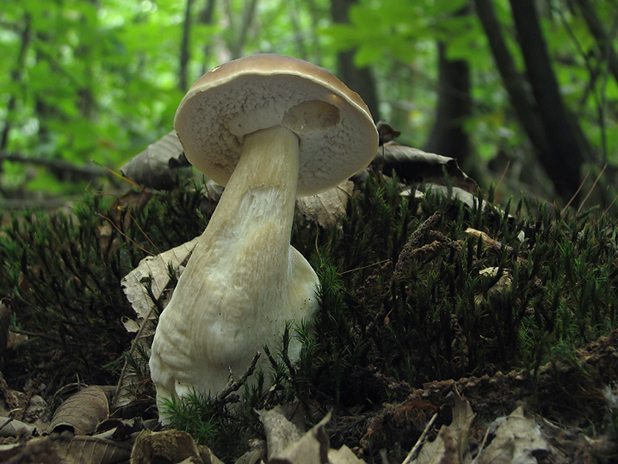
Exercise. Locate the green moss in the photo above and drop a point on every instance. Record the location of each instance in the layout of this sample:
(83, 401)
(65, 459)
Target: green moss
(379, 333)
(63, 270)
(195, 414)
(443, 319)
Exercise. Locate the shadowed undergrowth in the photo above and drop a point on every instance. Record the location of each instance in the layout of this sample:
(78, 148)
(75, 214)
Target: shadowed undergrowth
(409, 295)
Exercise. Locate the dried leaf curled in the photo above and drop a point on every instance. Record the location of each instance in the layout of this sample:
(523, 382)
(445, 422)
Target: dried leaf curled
(155, 268)
(154, 167)
(166, 446)
(93, 450)
(279, 430)
(14, 428)
(326, 208)
(416, 166)
(82, 412)
(343, 455)
(517, 439)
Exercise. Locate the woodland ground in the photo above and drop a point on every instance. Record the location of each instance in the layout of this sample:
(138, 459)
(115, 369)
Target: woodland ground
(423, 299)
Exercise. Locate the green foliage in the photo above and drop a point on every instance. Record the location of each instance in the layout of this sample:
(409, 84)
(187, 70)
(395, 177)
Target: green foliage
(388, 31)
(85, 81)
(393, 27)
(81, 84)
(194, 414)
(225, 430)
(100, 82)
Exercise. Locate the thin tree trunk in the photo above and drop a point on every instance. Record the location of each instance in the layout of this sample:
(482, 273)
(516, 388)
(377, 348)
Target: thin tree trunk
(248, 14)
(448, 136)
(515, 84)
(184, 48)
(552, 154)
(358, 79)
(565, 157)
(206, 17)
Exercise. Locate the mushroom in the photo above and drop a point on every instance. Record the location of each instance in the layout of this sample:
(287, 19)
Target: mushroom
(269, 128)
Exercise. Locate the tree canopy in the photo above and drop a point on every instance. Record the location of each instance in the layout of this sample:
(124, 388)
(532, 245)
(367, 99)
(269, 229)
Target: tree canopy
(86, 81)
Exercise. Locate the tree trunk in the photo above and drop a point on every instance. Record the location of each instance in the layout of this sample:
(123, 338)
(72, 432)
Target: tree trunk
(184, 48)
(205, 16)
(247, 17)
(515, 84)
(565, 156)
(448, 136)
(541, 112)
(358, 79)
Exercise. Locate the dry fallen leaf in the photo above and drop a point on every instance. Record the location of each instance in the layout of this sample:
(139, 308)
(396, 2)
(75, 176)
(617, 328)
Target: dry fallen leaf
(328, 207)
(82, 412)
(485, 238)
(256, 453)
(517, 439)
(456, 193)
(154, 167)
(31, 410)
(280, 431)
(14, 428)
(343, 455)
(156, 269)
(312, 448)
(416, 166)
(451, 443)
(93, 450)
(498, 289)
(167, 446)
(39, 450)
(66, 449)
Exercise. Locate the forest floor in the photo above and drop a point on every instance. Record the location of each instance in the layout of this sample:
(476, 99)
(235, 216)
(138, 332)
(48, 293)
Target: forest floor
(491, 419)
(60, 371)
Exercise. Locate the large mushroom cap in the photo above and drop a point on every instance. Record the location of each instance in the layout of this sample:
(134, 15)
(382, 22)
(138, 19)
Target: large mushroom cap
(336, 132)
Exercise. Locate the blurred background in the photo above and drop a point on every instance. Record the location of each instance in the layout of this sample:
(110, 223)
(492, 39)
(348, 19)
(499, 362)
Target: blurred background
(524, 93)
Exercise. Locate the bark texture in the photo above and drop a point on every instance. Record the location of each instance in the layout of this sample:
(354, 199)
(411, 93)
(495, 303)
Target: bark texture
(552, 130)
(448, 136)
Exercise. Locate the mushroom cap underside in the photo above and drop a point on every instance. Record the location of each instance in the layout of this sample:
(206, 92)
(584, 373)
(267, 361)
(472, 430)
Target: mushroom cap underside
(337, 136)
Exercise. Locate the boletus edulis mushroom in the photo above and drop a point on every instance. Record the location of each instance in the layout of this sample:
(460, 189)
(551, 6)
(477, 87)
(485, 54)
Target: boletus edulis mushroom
(269, 128)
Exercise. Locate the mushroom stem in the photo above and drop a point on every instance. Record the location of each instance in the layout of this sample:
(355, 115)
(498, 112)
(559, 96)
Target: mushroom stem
(244, 281)
(263, 186)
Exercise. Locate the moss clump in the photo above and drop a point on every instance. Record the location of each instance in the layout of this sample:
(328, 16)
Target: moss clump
(62, 272)
(409, 295)
(551, 284)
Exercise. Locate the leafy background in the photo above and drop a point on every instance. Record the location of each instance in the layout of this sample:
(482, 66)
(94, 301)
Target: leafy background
(97, 81)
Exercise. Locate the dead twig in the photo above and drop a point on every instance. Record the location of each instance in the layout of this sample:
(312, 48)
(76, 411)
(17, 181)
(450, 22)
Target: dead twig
(420, 440)
(225, 396)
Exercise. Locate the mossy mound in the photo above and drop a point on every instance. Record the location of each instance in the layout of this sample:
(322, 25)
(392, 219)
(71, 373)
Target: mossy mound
(414, 290)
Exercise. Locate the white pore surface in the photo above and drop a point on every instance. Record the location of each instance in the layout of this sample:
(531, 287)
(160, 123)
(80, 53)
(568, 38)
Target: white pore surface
(337, 138)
